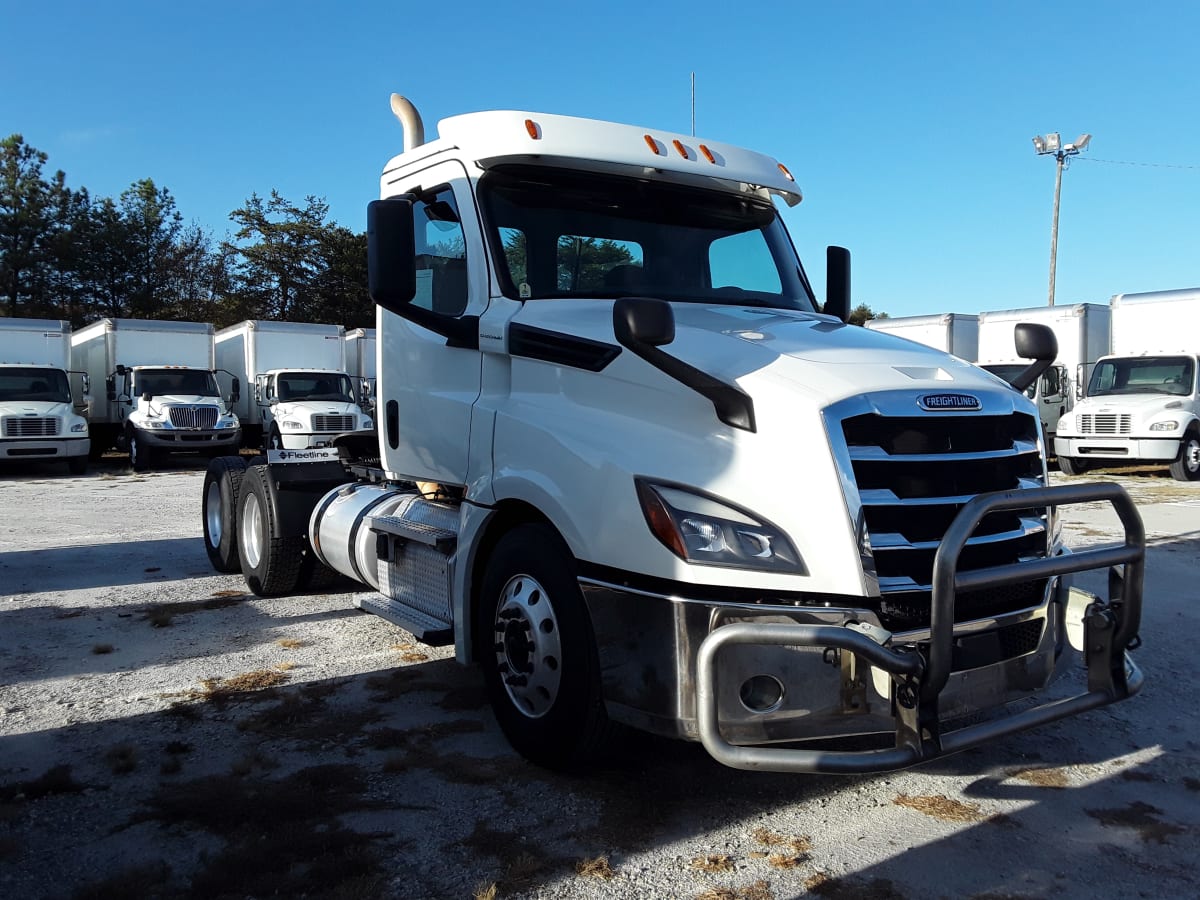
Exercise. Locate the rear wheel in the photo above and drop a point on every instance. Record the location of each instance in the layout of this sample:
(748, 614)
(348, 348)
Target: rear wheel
(538, 652)
(1187, 466)
(271, 565)
(1070, 465)
(222, 485)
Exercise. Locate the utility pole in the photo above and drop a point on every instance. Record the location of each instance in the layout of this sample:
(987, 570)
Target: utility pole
(1050, 145)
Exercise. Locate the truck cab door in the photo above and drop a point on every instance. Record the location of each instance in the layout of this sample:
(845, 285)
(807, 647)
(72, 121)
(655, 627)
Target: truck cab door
(1052, 398)
(429, 377)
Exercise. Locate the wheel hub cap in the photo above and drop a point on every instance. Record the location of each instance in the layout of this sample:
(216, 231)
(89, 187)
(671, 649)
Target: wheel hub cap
(528, 648)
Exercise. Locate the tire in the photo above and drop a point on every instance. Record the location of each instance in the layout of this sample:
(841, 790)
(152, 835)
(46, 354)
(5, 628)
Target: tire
(77, 465)
(1070, 465)
(274, 440)
(316, 577)
(535, 642)
(222, 485)
(141, 457)
(270, 565)
(1187, 466)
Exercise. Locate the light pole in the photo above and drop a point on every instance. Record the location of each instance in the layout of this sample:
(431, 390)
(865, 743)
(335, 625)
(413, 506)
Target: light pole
(1051, 146)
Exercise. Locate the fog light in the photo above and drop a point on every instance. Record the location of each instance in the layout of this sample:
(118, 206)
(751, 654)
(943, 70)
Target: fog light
(762, 693)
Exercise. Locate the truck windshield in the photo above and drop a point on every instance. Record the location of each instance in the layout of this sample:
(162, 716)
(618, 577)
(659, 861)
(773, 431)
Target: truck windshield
(191, 382)
(1143, 375)
(49, 385)
(293, 386)
(563, 233)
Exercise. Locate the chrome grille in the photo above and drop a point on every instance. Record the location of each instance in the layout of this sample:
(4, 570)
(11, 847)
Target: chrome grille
(333, 423)
(30, 426)
(1105, 423)
(913, 475)
(198, 417)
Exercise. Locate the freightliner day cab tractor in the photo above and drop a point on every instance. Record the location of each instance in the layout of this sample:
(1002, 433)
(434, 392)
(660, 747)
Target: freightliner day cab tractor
(627, 465)
(38, 420)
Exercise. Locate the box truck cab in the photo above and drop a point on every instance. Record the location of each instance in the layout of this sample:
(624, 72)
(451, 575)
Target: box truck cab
(360, 364)
(160, 393)
(38, 418)
(629, 466)
(303, 396)
(1142, 405)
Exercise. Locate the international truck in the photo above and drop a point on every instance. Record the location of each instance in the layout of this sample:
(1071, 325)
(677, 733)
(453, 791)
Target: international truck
(1143, 401)
(302, 395)
(360, 364)
(38, 418)
(161, 394)
(630, 467)
(953, 333)
(1082, 332)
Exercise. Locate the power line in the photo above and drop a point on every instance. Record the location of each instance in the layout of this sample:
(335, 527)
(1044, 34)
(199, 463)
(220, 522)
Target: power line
(1124, 162)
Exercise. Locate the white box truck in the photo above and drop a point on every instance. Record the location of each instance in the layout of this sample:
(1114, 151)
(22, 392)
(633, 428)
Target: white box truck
(38, 419)
(1082, 331)
(360, 364)
(161, 393)
(953, 333)
(302, 396)
(629, 465)
(1143, 401)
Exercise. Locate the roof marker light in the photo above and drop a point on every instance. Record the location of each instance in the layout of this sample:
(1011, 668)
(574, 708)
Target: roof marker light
(653, 145)
(680, 149)
(786, 173)
(533, 130)
(708, 154)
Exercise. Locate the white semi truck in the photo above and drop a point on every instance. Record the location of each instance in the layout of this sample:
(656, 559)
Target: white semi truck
(360, 363)
(38, 418)
(1143, 400)
(628, 465)
(161, 394)
(953, 333)
(1082, 332)
(302, 395)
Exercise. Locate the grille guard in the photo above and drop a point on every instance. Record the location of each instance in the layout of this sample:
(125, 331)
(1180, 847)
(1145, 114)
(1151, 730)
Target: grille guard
(1110, 629)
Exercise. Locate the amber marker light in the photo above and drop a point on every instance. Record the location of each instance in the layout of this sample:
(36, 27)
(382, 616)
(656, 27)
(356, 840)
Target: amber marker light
(531, 127)
(680, 149)
(786, 173)
(708, 154)
(652, 144)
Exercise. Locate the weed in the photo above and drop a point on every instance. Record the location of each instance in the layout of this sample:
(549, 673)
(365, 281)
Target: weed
(163, 614)
(486, 892)
(944, 808)
(785, 861)
(1051, 778)
(285, 666)
(799, 846)
(56, 780)
(121, 758)
(713, 862)
(101, 649)
(597, 867)
(172, 765)
(221, 689)
(851, 889)
(759, 890)
(291, 643)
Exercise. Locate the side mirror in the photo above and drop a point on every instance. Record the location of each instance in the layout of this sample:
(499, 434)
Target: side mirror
(235, 392)
(364, 387)
(837, 282)
(1037, 342)
(147, 396)
(391, 253)
(643, 320)
(86, 381)
(110, 388)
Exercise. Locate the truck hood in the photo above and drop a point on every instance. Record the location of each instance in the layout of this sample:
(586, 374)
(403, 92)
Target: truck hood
(316, 408)
(1141, 408)
(35, 408)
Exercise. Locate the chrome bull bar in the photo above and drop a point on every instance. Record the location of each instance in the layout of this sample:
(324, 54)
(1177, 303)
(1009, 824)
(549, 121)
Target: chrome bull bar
(919, 675)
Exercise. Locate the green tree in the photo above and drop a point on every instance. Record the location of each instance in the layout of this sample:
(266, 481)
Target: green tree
(152, 228)
(27, 212)
(862, 314)
(340, 288)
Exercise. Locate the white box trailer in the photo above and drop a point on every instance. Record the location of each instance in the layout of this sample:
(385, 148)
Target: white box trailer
(1143, 399)
(160, 393)
(953, 333)
(1082, 331)
(360, 362)
(38, 419)
(302, 396)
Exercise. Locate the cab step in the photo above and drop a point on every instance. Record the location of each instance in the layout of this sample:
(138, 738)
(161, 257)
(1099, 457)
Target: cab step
(425, 628)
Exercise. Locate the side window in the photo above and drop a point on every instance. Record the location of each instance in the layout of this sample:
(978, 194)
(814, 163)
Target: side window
(441, 253)
(744, 261)
(1050, 383)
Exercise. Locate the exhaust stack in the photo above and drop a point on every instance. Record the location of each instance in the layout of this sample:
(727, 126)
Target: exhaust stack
(414, 130)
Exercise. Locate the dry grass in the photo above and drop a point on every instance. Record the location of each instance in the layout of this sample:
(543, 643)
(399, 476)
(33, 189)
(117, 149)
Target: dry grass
(785, 861)
(291, 643)
(1051, 778)
(759, 890)
(101, 649)
(597, 867)
(218, 689)
(800, 846)
(713, 862)
(410, 653)
(486, 892)
(943, 808)
(285, 666)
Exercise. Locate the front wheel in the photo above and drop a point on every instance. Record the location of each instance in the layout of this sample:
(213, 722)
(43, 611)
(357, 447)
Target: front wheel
(271, 565)
(77, 465)
(274, 439)
(1070, 465)
(141, 457)
(535, 642)
(1187, 466)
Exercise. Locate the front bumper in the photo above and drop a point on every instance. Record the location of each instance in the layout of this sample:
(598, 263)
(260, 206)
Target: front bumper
(300, 441)
(184, 441)
(50, 448)
(1098, 446)
(750, 676)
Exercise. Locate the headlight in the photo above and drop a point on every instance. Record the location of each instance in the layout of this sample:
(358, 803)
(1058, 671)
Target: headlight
(1165, 426)
(79, 428)
(153, 423)
(706, 531)
(291, 425)
(367, 424)
(227, 423)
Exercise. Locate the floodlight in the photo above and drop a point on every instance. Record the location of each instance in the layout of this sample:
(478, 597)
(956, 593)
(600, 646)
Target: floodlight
(1039, 144)
(1052, 142)
(1082, 141)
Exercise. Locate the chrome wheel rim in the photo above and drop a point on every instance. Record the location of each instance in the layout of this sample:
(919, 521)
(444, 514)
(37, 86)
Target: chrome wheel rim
(212, 513)
(528, 648)
(251, 531)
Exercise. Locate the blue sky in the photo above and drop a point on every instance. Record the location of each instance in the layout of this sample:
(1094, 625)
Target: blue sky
(907, 125)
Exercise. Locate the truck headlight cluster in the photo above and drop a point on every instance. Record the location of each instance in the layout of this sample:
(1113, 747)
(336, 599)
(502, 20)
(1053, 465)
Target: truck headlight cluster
(1170, 425)
(367, 424)
(79, 428)
(703, 530)
(155, 424)
(291, 425)
(231, 422)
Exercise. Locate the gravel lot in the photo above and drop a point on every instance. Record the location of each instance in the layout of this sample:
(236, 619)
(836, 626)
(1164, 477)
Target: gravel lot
(164, 734)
